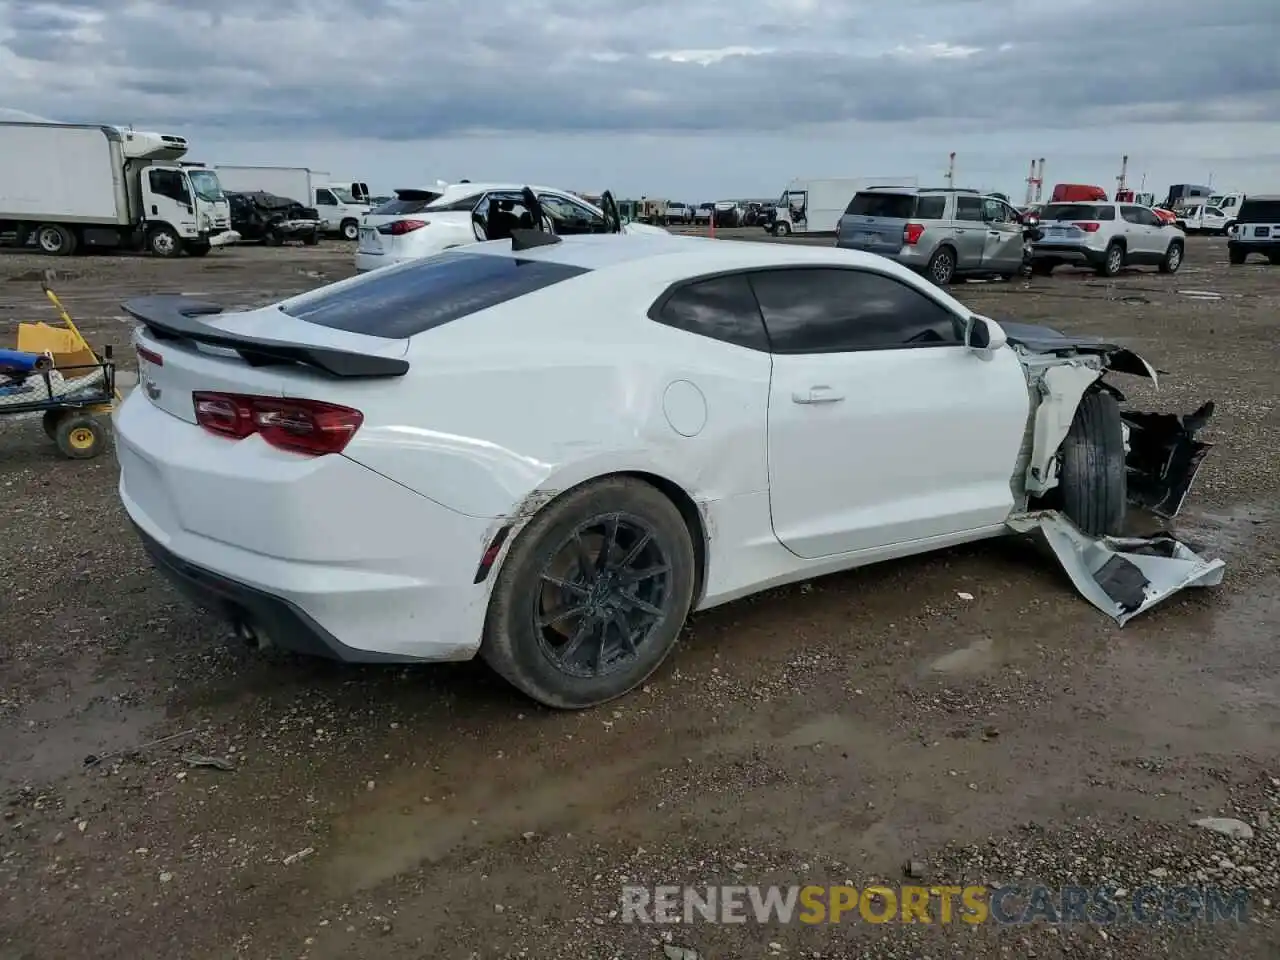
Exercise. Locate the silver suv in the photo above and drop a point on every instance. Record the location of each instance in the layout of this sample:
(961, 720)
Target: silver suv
(1107, 237)
(944, 233)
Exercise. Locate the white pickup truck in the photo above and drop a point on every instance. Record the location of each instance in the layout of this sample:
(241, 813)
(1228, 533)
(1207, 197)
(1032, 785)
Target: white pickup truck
(1203, 218)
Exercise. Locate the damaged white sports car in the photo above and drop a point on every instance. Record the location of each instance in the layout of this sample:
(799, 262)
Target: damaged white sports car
(550, 450)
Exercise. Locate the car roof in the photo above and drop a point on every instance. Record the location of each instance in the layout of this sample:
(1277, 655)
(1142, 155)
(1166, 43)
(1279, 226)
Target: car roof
(459, 191)
(681, 256)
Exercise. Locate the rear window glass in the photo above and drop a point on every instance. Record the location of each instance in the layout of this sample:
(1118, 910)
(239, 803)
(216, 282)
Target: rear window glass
(1260, 211)
(899, 206)
(397, 302)
(406, 201)
(467, 203)
(1078, 211)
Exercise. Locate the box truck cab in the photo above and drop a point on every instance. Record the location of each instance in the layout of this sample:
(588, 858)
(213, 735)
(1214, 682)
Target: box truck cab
(77, 186)
(1228, 203)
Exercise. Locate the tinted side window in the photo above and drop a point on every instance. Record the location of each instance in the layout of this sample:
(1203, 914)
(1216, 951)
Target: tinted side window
(463, 205)
(1131, 214)
(969, 208)
(931, 208)
(722, 308)
(830, 310)
(1260, 211)
(398, 302)
(1106, 212)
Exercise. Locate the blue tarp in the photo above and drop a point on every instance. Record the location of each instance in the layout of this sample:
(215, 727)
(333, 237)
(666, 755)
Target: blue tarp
(15, 360)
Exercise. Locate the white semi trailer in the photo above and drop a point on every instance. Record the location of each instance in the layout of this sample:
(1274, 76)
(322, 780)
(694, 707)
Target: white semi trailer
(340, 205)
(79, 186)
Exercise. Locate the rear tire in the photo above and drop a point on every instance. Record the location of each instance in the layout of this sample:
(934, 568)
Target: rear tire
(310, 239)
(1172, 258)
(1112, 261)
(1236, 257)
(55, 240)
(554, 559)
(1273, 259)
(1092, 476)
(942, 267)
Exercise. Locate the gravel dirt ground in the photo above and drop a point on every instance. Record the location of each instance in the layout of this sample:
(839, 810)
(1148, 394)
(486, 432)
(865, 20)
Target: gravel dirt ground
(966, 711)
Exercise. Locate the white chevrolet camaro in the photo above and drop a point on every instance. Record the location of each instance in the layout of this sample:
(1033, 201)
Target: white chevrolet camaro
(549, 450)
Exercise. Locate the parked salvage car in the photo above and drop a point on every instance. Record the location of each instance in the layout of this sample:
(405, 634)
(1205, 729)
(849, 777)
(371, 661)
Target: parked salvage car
(465, 213)
(549, 450)
(1107, 237)
(272, 219)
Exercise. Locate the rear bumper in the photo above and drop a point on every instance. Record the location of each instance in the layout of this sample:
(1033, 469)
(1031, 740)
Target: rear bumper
(372, 261)
(319, 555)
(1068, 253)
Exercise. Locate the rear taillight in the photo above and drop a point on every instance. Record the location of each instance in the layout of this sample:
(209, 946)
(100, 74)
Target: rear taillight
(912, 233)
(398, 228)
(151, 357)
(1087, 226)
(302, 426)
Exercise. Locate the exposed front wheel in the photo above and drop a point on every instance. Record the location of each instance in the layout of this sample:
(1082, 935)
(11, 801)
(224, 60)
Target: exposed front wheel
(1091, 476)
(592, 596)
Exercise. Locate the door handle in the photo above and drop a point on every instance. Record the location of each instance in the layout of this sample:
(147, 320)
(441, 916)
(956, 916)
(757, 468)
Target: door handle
(819, 394)
(993, 233)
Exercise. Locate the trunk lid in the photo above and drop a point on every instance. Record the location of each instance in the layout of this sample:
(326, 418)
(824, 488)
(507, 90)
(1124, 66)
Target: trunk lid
(171, 369)
(876, 221)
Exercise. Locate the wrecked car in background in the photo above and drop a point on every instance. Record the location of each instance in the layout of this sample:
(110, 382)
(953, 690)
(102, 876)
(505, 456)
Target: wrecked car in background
(273, 219)
(667, 424)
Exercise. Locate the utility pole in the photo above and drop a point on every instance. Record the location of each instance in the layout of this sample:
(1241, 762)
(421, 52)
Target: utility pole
(951, 169)
(1039, 180)
(1034, 180)
(1124, 172)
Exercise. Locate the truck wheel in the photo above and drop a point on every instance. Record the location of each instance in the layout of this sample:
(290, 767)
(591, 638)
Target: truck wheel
(1237, 257)
(782, 230)
(163, 242)
(55, 240)
(272, 239)
(197, 248)
(311, 239)
(350, 229)
(1092, 475)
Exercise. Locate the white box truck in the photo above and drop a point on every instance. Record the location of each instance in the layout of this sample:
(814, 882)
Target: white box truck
(340, 209)
(813, 206)
(77, 186)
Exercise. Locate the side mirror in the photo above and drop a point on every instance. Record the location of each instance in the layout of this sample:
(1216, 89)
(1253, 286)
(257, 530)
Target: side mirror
(983, 335)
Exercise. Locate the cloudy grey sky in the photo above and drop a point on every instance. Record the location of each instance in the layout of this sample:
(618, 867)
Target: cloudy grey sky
(684, 98)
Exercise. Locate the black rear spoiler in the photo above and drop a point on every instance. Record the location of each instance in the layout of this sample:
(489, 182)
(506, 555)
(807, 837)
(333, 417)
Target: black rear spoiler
(175, 317)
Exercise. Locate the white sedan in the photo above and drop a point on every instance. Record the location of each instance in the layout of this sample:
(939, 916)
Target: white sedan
(549, 450)
(420, 223)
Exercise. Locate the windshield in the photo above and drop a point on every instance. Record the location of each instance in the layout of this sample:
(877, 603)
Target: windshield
(343, 195)
(206, 186)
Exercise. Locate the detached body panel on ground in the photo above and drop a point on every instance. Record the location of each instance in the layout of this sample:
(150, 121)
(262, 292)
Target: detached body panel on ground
(542, 446)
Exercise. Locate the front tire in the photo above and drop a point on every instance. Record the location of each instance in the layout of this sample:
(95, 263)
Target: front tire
(782, 230)
(1092, 475)
(163, 242)
(1236, 257)
(592, 596)
(350, 229)
(55, 240)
